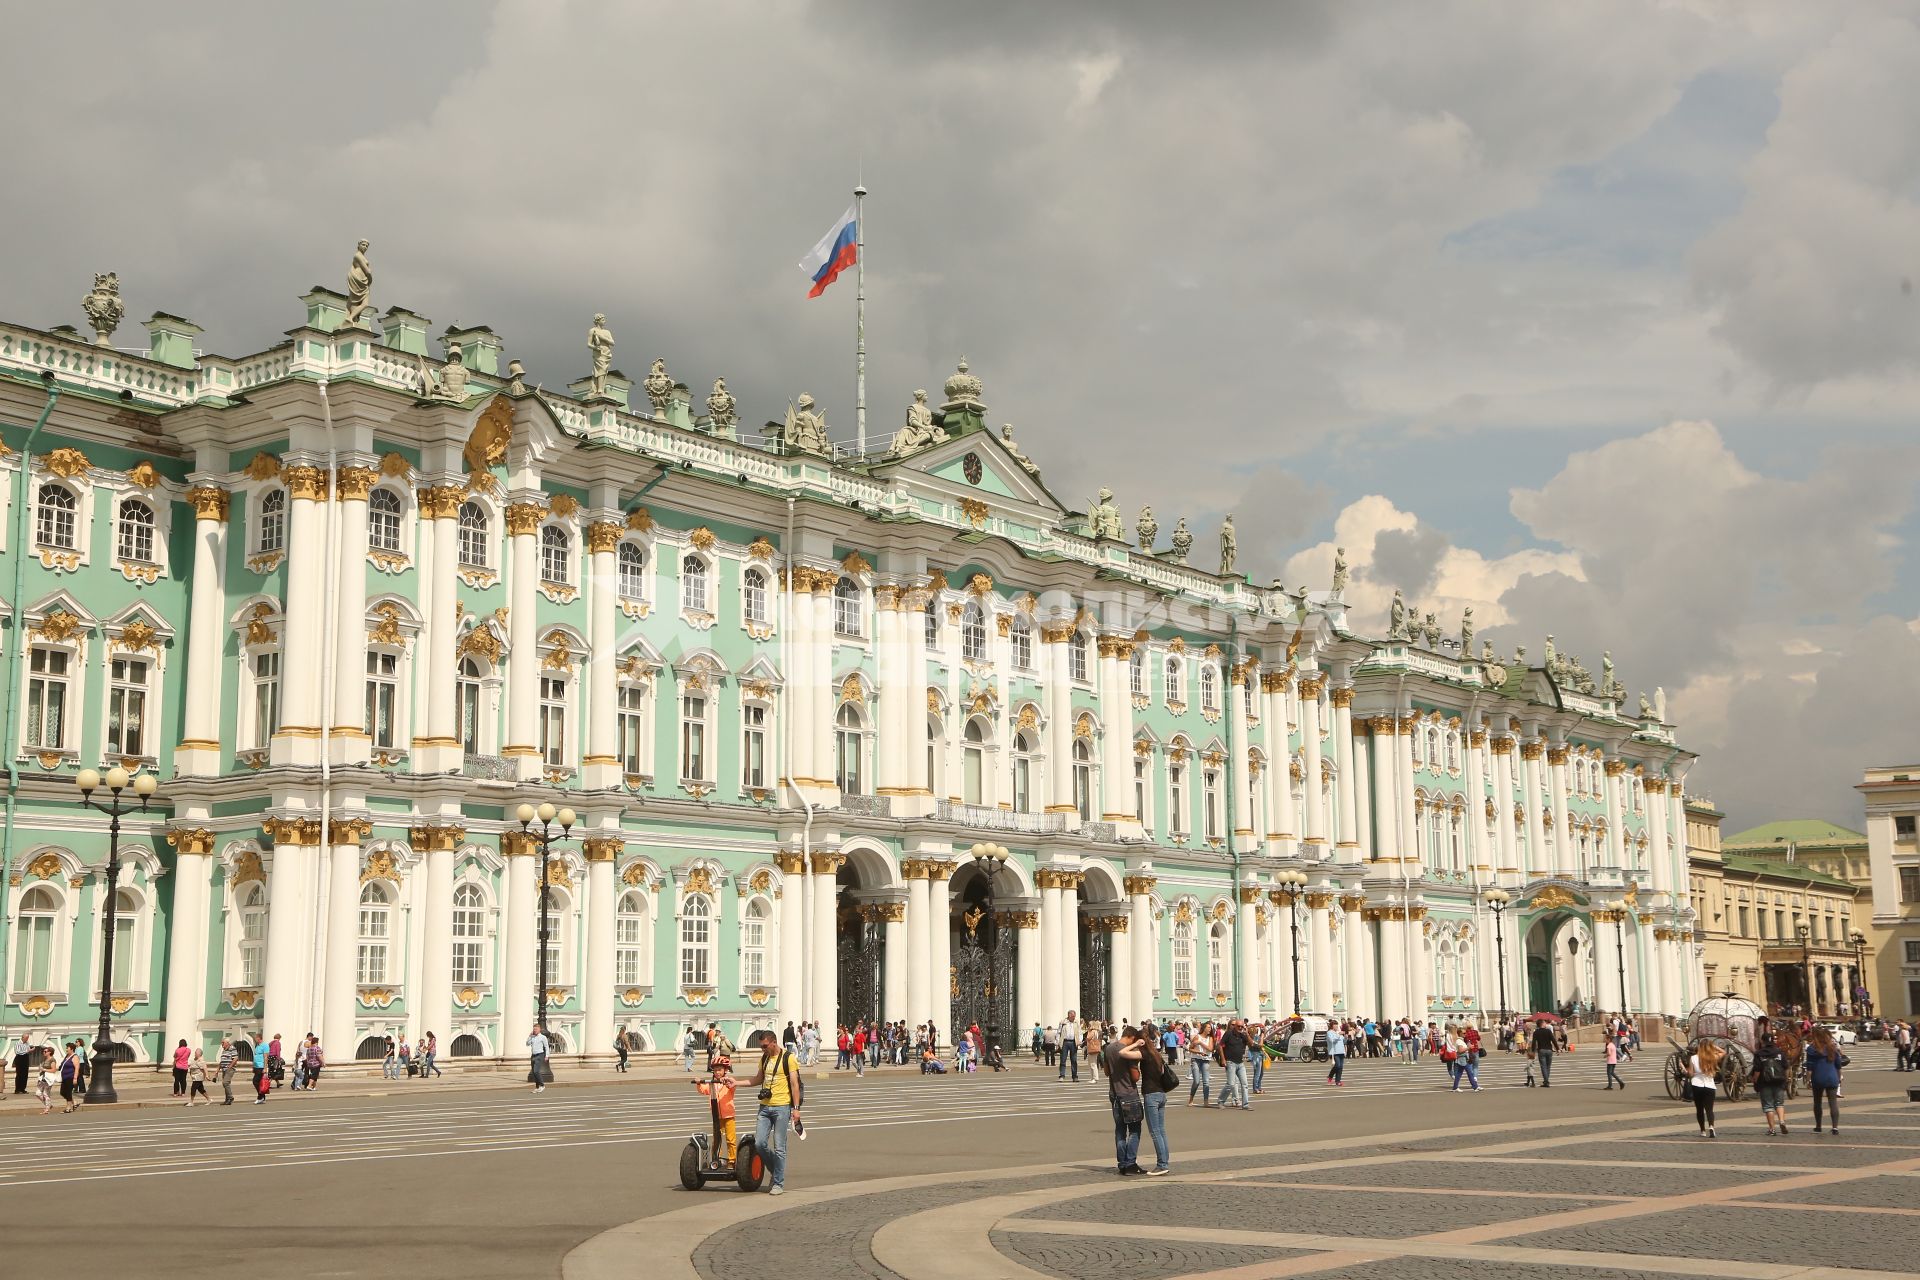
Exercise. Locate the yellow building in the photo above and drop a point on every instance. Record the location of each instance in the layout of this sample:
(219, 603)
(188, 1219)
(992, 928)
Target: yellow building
(1893, 811)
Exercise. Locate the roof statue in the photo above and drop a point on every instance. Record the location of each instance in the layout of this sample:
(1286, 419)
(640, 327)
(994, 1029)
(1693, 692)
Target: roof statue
(1491, 670)
(1466, 632)
(1276, 596)
(806, 428)
(1519, 655)
(451, 384)
(1660, 702)
(920, 429)
(600, 347)
(722, 412)
(1103, 520)
(1147, 527)
(1339, 572)
(1182, 540)
(359, 285)
(658, 386)
(1486, 651)
(1229, 545)
(1552, 659)
(516, 378)
(1646, 708)
(1609, 687)
(1433, 633)
(1397, 618)
(1007, 440)
(103, 307)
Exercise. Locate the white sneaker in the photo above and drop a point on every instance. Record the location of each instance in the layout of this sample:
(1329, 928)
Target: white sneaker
(777, 1191)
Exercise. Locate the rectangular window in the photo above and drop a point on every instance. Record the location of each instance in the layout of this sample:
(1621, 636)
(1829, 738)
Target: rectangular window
(1140, 775)
(626, 949)
(1182, 960)
(1910, 884)
(1211, 785)
(1913, 952)
(266, 696)
(49, 687)
(33, 953)
(693, 738)
(383, 690)
(1903, 827)
(553, 721)
(469, 712)
(631, 727)
(1177, 801)
(753, 950)
(1741, 917)
(753, 748)
(127, 707)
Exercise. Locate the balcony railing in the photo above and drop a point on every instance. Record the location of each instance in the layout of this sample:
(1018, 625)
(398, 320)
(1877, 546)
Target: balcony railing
(488, 768)
(987, 818)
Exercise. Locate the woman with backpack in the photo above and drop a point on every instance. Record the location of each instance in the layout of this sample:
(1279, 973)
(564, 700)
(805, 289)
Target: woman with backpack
(1157, 1080)
(1770, 1068)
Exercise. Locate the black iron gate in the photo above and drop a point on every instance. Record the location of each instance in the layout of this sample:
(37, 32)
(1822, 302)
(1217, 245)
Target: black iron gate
(862, 969)
(1096, 953)
(982, 988)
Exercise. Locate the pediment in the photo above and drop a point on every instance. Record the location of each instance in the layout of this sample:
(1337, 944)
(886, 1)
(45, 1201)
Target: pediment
(978, 466)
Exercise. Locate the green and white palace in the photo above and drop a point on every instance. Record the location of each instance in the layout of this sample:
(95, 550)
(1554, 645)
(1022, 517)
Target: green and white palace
(893, 735)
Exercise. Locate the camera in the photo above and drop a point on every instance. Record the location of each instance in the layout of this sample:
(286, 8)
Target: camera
(766, 1095)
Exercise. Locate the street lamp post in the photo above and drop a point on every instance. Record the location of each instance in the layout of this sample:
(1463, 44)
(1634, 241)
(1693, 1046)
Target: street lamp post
(1861, 996)
(1803, 933)
(991, 858)
(100, 1084)
(537, 825)
(1620, 956)
(1497, 899)
(1289, 885)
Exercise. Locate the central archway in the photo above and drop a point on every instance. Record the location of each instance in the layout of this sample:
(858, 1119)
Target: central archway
(860, 936)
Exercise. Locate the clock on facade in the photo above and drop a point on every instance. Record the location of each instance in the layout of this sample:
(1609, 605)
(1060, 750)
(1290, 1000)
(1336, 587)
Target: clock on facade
(971, 466)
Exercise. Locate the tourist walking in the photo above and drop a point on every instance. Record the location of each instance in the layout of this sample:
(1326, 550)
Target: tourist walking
(537, 1046)
(1235, 1044)
(45, 1079)
(430, 1056)
(781, 1092)
(1543, 1044)
(182, 1057)
(620, 1048)
(1070, 1047)
(688, 1045)
(229, 1059)
(1123, 1095)
(1704, 1063)
(1199, 1055)
(314, 1060)
(1770, 1070)
(1613, 1064)
(260, 1081)
(1470, 1057)
(197, 1077)
(1824, 1060)
(1336, 1053)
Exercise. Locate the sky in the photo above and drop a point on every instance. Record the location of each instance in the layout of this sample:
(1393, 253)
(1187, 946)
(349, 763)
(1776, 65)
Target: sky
(1597, 317)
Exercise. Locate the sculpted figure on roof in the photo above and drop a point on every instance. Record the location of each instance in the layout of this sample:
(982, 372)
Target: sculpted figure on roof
(1147, 527)
(600, 347)
(1104, 518)
(1182, 540)
(721, 409)
(920, 429)
(1229, 545)
(359, 285)
(806, 427)
(659, 386)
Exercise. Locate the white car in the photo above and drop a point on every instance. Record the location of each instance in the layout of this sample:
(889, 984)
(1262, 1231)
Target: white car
(1843, 1035)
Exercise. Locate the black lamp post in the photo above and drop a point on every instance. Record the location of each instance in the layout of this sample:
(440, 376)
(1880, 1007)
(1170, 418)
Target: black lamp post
(537, 825)
(1861, 996)
(1497, 898)
(1620, 956)
(1289, 885)
(100, 1084)
(991, 858)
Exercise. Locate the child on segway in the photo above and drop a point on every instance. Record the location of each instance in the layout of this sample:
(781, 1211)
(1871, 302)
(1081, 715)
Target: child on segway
(720, 1088)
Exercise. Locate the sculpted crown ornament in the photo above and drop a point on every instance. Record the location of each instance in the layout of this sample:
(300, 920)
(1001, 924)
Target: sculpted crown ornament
(963, 387)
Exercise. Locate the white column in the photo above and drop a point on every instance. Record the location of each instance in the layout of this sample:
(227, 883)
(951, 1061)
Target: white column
(1410, 850)
(1245, 935)
(1070, 938)
(187, 933)
(596, 990)
(1420, 964)
(523, 667)
(1606, 944)
(1125, 1007)
(1393, 968)
(1474, 828)
(919, 943)
(442, 672)
(826, 967)
(825, 694)
(1348, 782)
(891, 741)
(793, 937)
(199, 751)
(1362, 770)
(601, 765)
(1140, 940)
(1566, 854)
(1616, 824)
(913, 694)
(1052, 990)
(894, 926)
(1647, 951)
(1319, 954)
(350, 742)
(1539, 858)
(1316, 819)
(1507, 856)
(1245, 838)
(339, 994)
(1280, 767)
(517, 967)
(290, 925)
(1053, 652)
(1386, 836)
(940, 946)
(1029, 988)
(1659, 852)
(1116, 710)
(298, 739)
(435, 998)
(1363, 989)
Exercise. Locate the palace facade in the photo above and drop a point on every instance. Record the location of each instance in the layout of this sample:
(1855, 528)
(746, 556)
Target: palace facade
(890, 736)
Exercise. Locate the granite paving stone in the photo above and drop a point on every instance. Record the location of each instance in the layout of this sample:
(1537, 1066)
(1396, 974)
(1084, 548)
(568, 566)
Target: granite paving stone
(1091, 1258)
(1475, 1269)
(1775, 1154)
(1383, 1214)
(1880, 1241)
(1572, 1178)
(1886, 1192)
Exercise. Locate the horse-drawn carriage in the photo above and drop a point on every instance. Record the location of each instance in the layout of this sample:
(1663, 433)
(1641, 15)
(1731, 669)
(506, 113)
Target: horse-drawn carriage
(1734, 1025)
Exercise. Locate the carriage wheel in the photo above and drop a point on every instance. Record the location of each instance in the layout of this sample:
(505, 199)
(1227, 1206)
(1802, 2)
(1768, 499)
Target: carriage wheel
(1677, 1076)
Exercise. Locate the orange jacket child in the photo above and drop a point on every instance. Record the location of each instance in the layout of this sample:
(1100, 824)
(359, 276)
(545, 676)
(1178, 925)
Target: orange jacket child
(720, 1088)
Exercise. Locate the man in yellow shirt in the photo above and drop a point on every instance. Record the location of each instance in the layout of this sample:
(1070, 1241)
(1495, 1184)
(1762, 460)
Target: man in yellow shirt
(780, 1091)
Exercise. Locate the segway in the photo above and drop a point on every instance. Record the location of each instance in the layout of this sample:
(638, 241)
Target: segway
(698, 1165)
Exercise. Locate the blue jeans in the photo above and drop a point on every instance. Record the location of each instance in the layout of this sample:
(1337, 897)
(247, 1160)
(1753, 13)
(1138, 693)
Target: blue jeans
(1259, 1070)
(1197, 1078)
(770, 1136)
(1338, 1069)
(1126, 1137)
(1156, 1104)
(1472, 1068)
(686, 1057)
(1546, 1067)
(1069, 1056)
(1236, 1084)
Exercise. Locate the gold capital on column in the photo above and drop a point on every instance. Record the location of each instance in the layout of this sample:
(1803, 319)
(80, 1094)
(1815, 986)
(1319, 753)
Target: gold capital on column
(306, 483)
(826, 864)
(602, 848)
(352, 484)
(210, 502)
(523, 518)
(348, 830)
(1342, 696)
(941, 870)
(604, 535)
(1140, 884)
(791, 863)
(191, 839)
(1556, 755)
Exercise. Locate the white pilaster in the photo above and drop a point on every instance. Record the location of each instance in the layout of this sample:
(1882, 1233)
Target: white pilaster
(1029, 1006)
(187, 934)
(601, 766)
(1386, 835)
(597, 987)
(940, 945)
(1245, 838)
(434, 1001)
(523, 668)
(1566, 854)
(1140, 940)
(826, 967)
(919, 943)
(793, 937)
(1070, 938)
(1245, 937)
(1059, 692)
(350, 743)
(1539, 859)
(1316, 815)
(199, 751)
(339, 994)
(290, 927)
(893, 1006)
(1393, 969)
(890, 738)
(517, 966)
(1508, 854)
(1125, 1008)
(1318, 983)
(442, 750)
(297, 742)
(1348, 780)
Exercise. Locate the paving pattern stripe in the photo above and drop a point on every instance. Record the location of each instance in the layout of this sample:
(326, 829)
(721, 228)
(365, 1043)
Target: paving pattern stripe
(1365, 1188)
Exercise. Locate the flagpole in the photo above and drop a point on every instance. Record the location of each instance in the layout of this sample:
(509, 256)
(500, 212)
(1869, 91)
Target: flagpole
(860, 318)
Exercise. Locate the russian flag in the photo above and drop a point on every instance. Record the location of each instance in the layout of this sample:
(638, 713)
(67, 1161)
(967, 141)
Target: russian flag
(837, 250)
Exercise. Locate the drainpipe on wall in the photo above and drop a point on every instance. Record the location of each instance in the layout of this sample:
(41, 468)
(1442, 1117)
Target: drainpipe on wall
(16, 663)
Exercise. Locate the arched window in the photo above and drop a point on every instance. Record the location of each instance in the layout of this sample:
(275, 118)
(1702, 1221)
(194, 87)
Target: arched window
(1453, 750)
(1077, 656)
(933, 624)
(126, 941)
(846, 607)
(129, 681)
(1447, 974)
(469, 934)
(1176, 680)
(554, 566)
(468, 694)
(1209, 689)
(383, 695)
(936, 738)
(376, 929)
(466, 1045)
(253, 934)
(1183, 959)
(696, 942)
(973, 762)
(1433, 747)
(630, 726)
(753, 943)
(134, 538)
(559, 935)
(55, 522)
(630, 926)
(1021, 632)
(1024, 747)
(473, 535)
(1137, 673)
(33, 960)
(973, 634)
(1177, 798)
(632, 561)
(848, 740)
(1217, 958)
(383, 520)
(1455, 854)
(693, 584)
(272, 533)
(753, 595)
(1083, 777)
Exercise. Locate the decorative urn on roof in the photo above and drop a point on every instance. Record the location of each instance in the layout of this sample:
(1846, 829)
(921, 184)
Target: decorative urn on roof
(963, 389)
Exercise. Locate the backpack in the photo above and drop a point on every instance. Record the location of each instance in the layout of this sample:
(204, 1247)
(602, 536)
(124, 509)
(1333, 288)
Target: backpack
(1772, 1070)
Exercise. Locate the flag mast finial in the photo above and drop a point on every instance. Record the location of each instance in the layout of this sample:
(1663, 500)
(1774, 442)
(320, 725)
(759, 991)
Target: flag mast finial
(860, 317)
